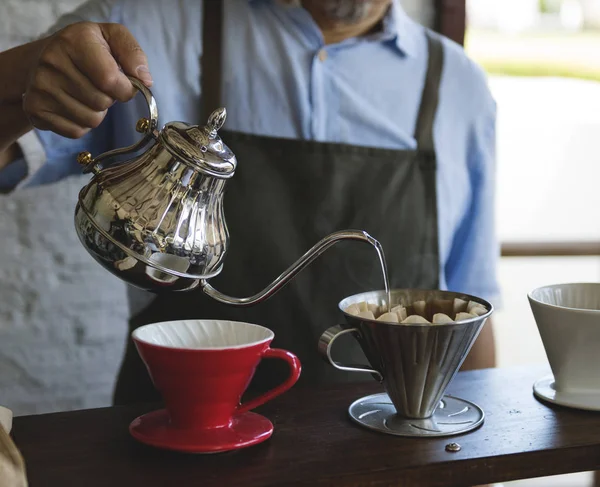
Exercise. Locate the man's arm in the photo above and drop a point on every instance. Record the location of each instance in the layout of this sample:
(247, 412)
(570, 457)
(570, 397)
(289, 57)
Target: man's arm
(473, 260)
(13, 81)
(66, 82)
(9, 155)
(13, 125)
(15, 70)
(472, 264)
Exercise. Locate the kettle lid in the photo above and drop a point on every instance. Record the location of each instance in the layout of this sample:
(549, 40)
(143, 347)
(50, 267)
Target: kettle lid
(201, 147)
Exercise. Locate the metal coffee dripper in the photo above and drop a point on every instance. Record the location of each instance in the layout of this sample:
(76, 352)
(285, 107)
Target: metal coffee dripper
(415, 363)
(157, 221)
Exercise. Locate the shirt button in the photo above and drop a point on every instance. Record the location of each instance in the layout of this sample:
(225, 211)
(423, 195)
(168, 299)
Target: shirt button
(323, 55)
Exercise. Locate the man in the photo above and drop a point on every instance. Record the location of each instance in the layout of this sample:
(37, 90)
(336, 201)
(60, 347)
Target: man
(342, 113)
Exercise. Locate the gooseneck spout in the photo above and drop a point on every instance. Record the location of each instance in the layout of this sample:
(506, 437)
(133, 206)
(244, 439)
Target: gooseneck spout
(292, 271)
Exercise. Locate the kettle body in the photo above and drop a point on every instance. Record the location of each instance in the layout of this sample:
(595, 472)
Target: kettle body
(156, 221)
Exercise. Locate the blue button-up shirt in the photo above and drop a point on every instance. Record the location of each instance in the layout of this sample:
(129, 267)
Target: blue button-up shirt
(280, 79)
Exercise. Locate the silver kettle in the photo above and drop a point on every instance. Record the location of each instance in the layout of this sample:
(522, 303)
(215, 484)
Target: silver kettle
(156, 221)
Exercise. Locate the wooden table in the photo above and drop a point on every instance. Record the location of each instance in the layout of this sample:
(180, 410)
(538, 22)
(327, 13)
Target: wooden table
(315, 444)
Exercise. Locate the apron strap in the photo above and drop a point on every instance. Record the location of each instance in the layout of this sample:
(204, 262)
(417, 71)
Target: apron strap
(211, 63)
(431, 92)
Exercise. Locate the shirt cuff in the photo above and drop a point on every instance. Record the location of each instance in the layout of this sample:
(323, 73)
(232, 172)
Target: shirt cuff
(34, 154)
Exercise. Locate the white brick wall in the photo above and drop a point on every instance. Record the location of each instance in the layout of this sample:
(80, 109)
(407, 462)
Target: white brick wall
(62, 317)
(21, 20)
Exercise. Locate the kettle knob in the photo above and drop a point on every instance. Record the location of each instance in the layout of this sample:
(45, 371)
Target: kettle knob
(216, 120)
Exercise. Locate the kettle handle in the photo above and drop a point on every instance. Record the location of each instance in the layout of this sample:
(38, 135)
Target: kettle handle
(145, 126)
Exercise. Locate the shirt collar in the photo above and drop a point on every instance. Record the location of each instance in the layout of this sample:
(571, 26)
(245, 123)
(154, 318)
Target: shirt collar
(398, 28)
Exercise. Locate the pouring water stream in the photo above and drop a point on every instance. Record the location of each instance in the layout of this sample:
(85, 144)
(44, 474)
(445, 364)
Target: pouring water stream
(384, 272)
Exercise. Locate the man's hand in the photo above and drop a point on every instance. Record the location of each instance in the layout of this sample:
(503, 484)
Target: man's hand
(80, 72)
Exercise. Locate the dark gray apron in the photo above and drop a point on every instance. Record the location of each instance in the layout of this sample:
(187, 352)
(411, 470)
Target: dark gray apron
(285, 196)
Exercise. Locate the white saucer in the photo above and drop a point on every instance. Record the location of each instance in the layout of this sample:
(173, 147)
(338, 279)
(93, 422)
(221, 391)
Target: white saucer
(544, 390)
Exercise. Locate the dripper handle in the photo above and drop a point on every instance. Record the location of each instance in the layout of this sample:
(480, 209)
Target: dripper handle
(295, 369)
(145, 126)
(326, 342)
